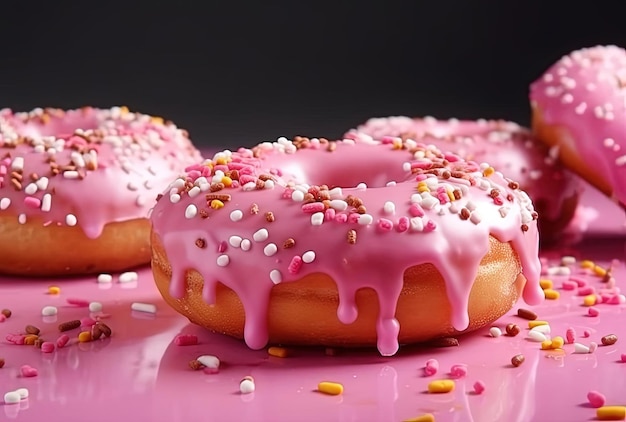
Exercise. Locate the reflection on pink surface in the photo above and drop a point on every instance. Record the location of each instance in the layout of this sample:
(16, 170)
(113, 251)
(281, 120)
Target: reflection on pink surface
(139, 374)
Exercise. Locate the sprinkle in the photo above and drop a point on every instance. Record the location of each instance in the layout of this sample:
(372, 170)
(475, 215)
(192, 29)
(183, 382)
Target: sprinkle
(517, 360)
(596, 399)
(77, 302)
(28, 371)
(270, 249)
(70, 220)
(331, 388)
(570, 335)
(551, 294)
(143, 307)
(212, 363)
(593, 312)
(308, 257)
(546, 283)
(12, 397)
(260, 235)
(389, 207)
(4, 203)
(69, 325)
(47, 347)
(246, 245)
(54, 290)
(426, 417)
(186, 340)
(526, 314)
(431, 367)
(580, 348)
(128, 277)
(23, 392)
(279, 352)
(512, 330)
(479, 387)
(95, 307)
(236, 215)
(297, 196)
(105, 278)
(536, 323)
(458, 371)
(246, 386)
(609, 340)
(223, 260)
(49, 311)
(31, 329)
(276, 276)
(317, 219)
(6, 312)
(495, 332)
(441, 386)
(611, 413)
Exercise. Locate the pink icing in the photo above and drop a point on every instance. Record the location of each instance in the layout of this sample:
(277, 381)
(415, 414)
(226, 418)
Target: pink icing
(505, 145)
(358, 250)
(116, 163)
(585, 93)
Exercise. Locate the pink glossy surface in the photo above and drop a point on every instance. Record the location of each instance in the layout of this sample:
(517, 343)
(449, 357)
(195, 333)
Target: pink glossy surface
(139, 374)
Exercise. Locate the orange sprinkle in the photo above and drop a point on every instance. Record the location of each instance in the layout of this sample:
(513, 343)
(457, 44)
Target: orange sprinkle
(84, 337)
(279, 352)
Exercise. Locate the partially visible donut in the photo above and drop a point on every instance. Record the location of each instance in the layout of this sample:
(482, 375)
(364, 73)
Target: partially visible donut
(344, 243)
(76, 187)
(579, 109)
(507, 146)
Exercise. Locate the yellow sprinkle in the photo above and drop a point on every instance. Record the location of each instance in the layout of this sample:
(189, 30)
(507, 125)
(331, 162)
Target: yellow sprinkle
(599, 271)
(426, 417)
(488, 171)
(546, 283)
(587, 264)
(397, 144)
(221, 161)
(557, 342)
(440, 386)
(450, 195)
(546, 345)
(551, 294)
(611, 413)
(156, 120)
(216, 204)
(54, 290)
(536, 323)
(30, 339)
(332, 388)
(124, 110)
(84, 337)
(422, 189)
(279, 352)
(227, 181)
(589, 300)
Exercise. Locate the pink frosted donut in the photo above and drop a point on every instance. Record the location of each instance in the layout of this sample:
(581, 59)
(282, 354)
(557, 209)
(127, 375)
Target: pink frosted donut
(345, 243)
(507, 146)
(579, 109)
(76, 187)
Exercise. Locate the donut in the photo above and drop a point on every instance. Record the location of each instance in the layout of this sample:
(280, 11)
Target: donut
(343, 243)
(507, 146)
(76, 187)
(579, 109)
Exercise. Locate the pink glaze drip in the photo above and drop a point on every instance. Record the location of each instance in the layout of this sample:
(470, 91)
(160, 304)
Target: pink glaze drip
(505, 145)
(119, 162)
(378, 258)
(585, 94)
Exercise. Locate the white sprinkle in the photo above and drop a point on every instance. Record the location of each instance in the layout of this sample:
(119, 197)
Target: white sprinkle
(49, 311)
(140, 201)
(191, 211)
(416, 198)
(269, 184)
(406, 167)
(105, 278)
(70, 174)
(389, 207)
(504, 211)
(174, 198)
(276, 276)
(250, 186)
(365, 219)
(392, 183)
(246, 386)
(148, 308)
(559, 270)
(235, 241)
(495, 332)
(580, 348)
(17, 164)
(11, 397)
(194, 191)
(580, 108)
(132, 186)
(417, 224)
(4, 203)
(475, 217)
(210, 361)
(21, 218)
(260, 235)
(361, 186)
(270, 249)
(95, 307)
(544, 329)
(568, 260)
(429, 202)
(46, 202)
(621, 161)
(223, 260)
(537, 336)
(338, 204)
(148, 184)
(335, 193)
(246, 245)
(30, 189)
(297, 196)
(128, 277)
(317, 218)
(236, 215)
(71, 220)
(308, 257)
(23, 392)
(567, 98)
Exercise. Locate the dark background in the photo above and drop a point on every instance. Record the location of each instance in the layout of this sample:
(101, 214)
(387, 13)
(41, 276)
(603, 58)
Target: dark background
(236, 73)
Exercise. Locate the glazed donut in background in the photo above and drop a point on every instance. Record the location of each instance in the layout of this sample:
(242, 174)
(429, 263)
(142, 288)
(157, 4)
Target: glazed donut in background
(579, 109)
(507, 146)
(346, 243)
(76, 187)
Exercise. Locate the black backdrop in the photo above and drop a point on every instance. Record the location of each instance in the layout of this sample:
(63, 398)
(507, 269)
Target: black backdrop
(235, 73)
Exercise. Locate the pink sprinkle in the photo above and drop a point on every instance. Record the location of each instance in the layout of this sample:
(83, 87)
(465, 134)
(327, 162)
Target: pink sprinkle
(87, 322)
(385, 224)
(186, 340)
(569, 285)
(19, 340)
(458, 371)
(596, 399)
(416, 211)
(623, 357)
(245, 178)
(2, 318)
(586, 291)
(28, 371)
(47, 347)
(443, 197)
(593, 312)
(63, 340)
(430, 226)
(586, 333)
(295, 265)
(614, 300)
(605, 297)
(403, 224)
(479, 387)
(32, 202)
(341, 218)
(353, 218)
(222, 246)
(570, 336)
(313, 207)
(431, 368)
(579, 281)
(498, 200)
(329, 214)
(593, 346)
(78, 302)
(287, 193)
(420, 177)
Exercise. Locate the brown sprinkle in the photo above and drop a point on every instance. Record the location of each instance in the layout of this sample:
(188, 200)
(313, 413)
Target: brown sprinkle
(254, 209)
(361, 209)
(69, 325)
(514, 185)
(464, 214)
(30, 339)
(289, 243)
(96, 332)
(526, 314)
(195, 365)
(6, 312)
(38, 342)
(517, 360)
(524, 227)
(265, 177)
(203, 213)
(220, 197)
(352, 236)
(1, 362)
(106, 330)
(201, 243)
(609, 340)
(444, 342)
(269, 217)
(31, 329)
(512, 330)
(216, 187)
